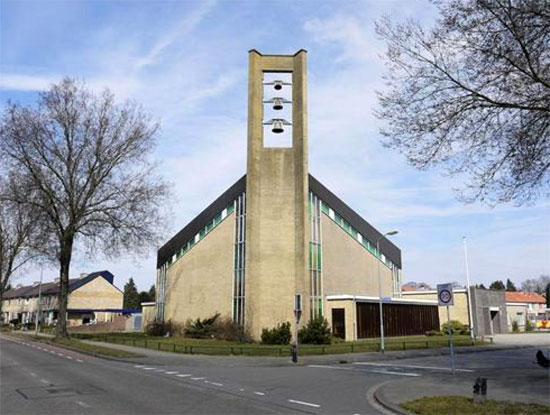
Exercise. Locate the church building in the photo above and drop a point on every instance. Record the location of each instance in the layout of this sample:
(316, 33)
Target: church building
(278, 236)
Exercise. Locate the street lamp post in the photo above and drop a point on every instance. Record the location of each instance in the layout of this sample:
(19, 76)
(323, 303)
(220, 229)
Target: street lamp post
(468, 292)
(380, 288)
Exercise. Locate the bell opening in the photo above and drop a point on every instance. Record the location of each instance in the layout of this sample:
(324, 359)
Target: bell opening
(277, 107)
(277, 130)
(278, 87)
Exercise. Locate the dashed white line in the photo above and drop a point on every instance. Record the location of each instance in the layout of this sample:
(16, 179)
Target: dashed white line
(259, 393)
(184, 376)
(216, 384)
(410, 366)
(148, 368)
(388, 372)
(171, 373)
(82, 404)
(314, 405)
(45, 381)
(197, 378)
(139, 365)
(33, 374)
(80, 361)
(69, 357)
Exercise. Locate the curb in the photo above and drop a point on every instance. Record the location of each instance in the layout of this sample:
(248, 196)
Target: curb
(99, 356)
(390, 406)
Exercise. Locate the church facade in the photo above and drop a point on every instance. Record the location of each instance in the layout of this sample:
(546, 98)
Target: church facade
(278, 234)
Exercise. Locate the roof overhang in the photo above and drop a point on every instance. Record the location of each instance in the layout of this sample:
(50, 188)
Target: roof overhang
(369, 299)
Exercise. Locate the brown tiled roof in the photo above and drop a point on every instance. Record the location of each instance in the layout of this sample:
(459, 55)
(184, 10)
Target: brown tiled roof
(521, 297)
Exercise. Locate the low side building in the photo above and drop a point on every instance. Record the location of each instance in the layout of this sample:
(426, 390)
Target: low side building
(488, 309)
(92, 298)
(523, 306)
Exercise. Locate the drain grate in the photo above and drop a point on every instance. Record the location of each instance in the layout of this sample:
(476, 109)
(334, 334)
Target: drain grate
(58, 391)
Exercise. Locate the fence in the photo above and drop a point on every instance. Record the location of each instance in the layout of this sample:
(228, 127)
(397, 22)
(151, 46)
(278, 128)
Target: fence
(265, 350)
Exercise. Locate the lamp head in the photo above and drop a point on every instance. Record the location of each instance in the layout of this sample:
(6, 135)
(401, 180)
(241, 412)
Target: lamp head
(394, 232)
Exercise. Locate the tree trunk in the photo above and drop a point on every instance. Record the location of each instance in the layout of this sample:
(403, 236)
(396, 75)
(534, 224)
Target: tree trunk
(64, 262)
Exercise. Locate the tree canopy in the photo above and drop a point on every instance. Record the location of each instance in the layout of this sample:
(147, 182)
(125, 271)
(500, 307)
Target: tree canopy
(497, 285)
(472, 94)
(131, 296)
(84, 165)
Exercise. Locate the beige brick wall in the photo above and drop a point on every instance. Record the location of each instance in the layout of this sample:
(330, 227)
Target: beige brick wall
(348, 268)
(200, 283)
(98, 293)
(459, 311)
(349, 310)
(148, 314)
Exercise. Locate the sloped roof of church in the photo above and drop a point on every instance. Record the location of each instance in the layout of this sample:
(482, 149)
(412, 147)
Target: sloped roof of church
(349, 215)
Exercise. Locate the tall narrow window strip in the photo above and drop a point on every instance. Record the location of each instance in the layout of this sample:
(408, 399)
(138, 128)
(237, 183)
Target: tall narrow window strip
(239, 252)
(315, 259)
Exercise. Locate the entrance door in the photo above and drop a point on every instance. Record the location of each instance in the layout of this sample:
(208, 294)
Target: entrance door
(339, 322)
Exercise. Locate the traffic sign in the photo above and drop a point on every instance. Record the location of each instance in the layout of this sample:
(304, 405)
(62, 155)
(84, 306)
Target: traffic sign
(445, 294)
(386, 299)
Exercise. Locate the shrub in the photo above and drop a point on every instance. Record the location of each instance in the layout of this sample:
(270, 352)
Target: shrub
(202, 329)
(515, 327)
(456, 328)
(317, 331)
(230, 330)
(277, 335)
(528, 325)
(156, 329)
(434, 333)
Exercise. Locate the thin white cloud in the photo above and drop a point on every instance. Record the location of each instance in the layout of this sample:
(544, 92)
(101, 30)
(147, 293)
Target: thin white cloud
(18, 82)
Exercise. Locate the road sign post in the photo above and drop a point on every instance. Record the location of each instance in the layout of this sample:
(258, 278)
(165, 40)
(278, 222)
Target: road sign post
(445, 298)
(297, 315)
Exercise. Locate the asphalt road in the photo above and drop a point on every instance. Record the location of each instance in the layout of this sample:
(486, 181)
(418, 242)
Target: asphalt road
(41, 379)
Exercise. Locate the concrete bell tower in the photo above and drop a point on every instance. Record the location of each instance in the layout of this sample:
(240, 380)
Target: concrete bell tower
(277, 224)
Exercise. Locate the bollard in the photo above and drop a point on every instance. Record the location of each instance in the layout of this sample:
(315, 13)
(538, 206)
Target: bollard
(294, 352)
(480, 390)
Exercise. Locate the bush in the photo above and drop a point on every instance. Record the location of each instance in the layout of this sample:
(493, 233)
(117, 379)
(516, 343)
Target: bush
(434, 333)
(515, 326)
(157, 329)
(277, 335)
(202, 329)
(456, 328)
(230, 330)
(317, 331)
(528, 325)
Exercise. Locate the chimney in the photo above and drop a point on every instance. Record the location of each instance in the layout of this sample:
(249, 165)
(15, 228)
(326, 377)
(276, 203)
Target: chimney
(56, 279)
(35, 283)
(83, 275)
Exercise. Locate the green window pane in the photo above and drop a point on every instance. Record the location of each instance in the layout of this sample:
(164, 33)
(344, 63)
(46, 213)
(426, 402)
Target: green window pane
(230, 208)
(324, 207)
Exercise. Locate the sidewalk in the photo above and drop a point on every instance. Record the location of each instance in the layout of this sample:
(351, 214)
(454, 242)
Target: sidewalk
(520, 385)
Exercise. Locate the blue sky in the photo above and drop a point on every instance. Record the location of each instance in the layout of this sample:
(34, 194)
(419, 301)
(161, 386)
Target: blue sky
(186, 62)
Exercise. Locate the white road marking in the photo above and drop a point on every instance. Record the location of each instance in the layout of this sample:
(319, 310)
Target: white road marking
(197, 378)
(60, 354)
(216, 383)
(51, 351)
(82, 404)
(32, 374)
(139, 365)
(259, 393)
(410, 366)
(183, 376)
(305, 403)
(69, 357)
(242, 390)
(148, 368)
(80, 361)
(159, 370)
(171, 373)
(45, 381)
(385, 372)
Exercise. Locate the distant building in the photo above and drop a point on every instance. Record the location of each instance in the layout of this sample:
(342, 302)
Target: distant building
(278, 236)
(416, 286)
(524, 306)
(92, 298)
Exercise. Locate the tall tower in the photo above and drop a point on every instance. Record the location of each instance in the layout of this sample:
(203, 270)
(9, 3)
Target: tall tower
(277, 226)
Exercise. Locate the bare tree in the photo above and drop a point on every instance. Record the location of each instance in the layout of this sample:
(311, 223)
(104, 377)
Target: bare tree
(86, 162)
(19, 232)
(473, 95)
(536, 285)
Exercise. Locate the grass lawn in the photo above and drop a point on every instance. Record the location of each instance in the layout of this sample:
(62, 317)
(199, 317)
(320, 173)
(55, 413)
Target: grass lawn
(460, 405)
(222, 347)
(77, 345)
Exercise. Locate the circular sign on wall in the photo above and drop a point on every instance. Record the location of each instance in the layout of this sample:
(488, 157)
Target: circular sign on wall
(445, 294)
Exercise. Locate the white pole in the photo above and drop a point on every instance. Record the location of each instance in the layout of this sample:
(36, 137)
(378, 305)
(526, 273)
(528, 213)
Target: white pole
(468, 292)
(380, 296)
(37, 322)
(451, 340)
